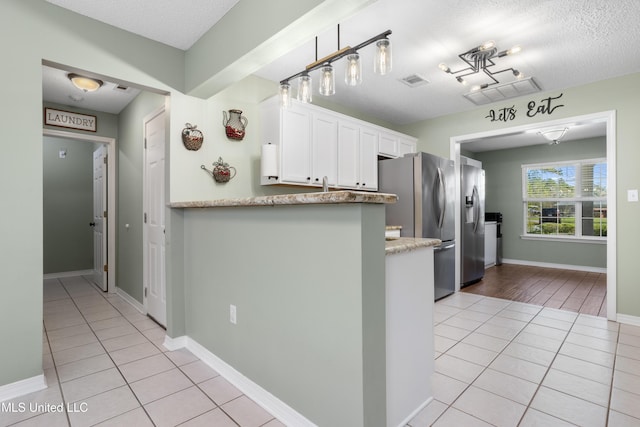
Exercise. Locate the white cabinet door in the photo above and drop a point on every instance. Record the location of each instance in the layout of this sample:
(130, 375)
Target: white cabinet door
(368, 159)
(325, 149)
(388, 144)
(406, 146)
(296, 146)
(348, 155)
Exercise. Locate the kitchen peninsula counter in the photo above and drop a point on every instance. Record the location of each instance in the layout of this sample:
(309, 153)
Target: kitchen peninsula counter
(329, 197)
(304, 272)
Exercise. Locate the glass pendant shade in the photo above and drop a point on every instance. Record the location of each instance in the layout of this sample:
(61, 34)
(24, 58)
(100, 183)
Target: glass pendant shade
(353, 71)
(382, 62)
(304, 88)
(327, 81)
(285, 95)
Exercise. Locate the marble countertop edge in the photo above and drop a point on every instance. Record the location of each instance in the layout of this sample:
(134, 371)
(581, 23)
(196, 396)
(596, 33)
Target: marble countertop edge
(330, 197)
(408, 244)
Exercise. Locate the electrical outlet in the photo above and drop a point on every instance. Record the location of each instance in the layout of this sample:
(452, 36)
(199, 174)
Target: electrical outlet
(232, 314)
(632, 195)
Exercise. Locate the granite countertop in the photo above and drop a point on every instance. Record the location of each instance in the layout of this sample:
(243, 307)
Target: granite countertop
(330, 197)
(408, 244)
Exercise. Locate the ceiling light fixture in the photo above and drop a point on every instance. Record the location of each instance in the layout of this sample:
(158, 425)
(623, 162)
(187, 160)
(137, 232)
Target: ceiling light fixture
(554, 135)
(353, 74)
(86, 84)
(480, 58)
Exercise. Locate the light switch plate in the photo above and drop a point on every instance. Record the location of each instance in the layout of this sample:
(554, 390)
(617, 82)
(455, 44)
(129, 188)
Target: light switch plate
(632, 195)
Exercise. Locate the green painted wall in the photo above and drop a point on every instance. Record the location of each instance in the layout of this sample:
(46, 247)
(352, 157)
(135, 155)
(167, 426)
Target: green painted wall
(67, 205)
(310, 315)
(503, 181)
(618, 94)
(31, 31)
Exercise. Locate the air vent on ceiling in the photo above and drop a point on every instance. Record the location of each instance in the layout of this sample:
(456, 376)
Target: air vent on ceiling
(504, 91)
(414, 80)
(120, 88)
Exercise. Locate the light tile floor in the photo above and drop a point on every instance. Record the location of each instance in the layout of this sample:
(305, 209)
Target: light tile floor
(498, 363)
(504, 363)
(105, 362)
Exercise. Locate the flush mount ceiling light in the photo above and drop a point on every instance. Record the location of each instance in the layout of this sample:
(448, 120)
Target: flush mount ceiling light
(480, 59)
(86, 84)
(554, 135)
(353, 73)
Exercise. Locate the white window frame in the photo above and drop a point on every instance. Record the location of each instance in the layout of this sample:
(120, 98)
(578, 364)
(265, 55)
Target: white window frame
(577, 200)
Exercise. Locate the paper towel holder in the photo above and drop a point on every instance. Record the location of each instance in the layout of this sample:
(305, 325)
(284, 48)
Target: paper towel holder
(270, 176)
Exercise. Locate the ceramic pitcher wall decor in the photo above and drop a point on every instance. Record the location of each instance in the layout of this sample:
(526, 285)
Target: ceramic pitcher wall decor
(234, 124)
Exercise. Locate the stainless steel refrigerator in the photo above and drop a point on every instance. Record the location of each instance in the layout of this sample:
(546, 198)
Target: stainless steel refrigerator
(472, 224)
(425, 187)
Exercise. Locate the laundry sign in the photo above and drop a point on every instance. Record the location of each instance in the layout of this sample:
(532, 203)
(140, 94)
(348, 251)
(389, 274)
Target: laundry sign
(67, 119)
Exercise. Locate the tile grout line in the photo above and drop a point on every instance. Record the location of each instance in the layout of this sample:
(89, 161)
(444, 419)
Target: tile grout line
(217, 406)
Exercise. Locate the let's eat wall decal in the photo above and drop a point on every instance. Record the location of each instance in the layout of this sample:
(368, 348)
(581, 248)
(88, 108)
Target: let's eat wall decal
(544, 106)
(67, 119)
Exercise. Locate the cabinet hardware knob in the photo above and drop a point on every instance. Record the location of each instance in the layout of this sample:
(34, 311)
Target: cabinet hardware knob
(317, 180)
(308, 178)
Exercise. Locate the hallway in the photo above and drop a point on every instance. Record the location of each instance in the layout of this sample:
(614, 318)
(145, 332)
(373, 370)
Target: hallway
(106, 363)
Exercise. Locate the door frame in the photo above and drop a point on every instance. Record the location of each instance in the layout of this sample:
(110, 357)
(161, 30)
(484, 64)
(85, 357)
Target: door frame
(145, 257)
(111, 193)
(607, 117)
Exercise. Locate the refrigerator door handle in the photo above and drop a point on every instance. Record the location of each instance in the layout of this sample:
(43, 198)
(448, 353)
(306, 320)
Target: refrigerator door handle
(476, 208)
(441, 204)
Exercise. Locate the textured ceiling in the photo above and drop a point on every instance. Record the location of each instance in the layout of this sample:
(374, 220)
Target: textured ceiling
(565, 43)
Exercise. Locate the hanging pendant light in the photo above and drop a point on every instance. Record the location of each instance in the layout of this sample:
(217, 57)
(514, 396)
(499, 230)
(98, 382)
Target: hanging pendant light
(285, 95)
(353, 71)
(304, 88)
(382, 62)
(327, 81)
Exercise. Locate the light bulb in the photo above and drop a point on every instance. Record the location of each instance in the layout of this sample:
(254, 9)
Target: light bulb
(488, 45)
(518, 74)
(285, 95)
(353, 71)
(513, 50)
(444, 67)
(382, 63)
(461, 80)
(304, 88)
(327, 81)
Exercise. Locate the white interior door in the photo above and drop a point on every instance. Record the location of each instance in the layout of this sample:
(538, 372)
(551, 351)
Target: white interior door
(100, 274)
(154, 219)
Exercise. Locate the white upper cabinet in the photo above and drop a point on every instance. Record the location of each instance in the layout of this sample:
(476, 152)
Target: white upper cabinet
(314, 142)
(324, 149)
(296, 156)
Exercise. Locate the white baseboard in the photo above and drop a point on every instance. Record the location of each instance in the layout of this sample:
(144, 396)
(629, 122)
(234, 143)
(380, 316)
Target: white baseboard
(627, 319)
(276, 407)
(558, 266)
(416, 412)
(131, 300)
(22, 387)
(68, 274)
(173, 344)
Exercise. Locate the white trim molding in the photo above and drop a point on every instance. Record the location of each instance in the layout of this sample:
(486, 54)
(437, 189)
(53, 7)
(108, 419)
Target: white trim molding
(68, 274)
(558, 266)
(276, 407)
(22, 387)
(628, 320)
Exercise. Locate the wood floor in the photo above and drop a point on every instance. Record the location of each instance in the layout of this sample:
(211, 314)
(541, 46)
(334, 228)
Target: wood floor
(578, 291)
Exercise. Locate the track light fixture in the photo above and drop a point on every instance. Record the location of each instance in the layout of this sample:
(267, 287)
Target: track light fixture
(480, 59)
(353, 73)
